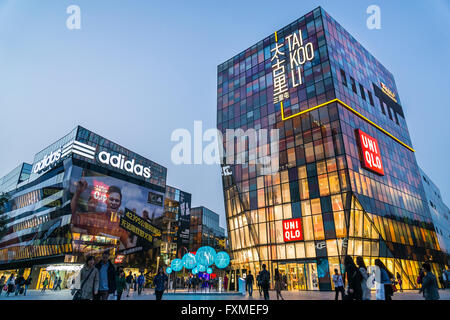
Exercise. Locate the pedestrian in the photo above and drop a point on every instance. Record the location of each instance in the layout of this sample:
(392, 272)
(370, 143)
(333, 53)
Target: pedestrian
(107, 277)
(441, 280)
(249, 283)
(400, 282)
(385, 280)
(225, 283)
(447, 275)
(121, 284)
(354, 278)
(19, 282)
(429, 284)
(160, 281)
(11, 284)
(264, 277)
(258, 283)
(134, 282)
(338, 285)
(44, 285)
(89, 281)
(2, 284)
(278, 284)
(129, 283)
(141, 283)
(363, 269)
(27, 284)
(444, 278)
(58, 284)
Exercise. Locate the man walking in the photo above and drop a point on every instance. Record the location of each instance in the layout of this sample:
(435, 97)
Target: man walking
(429, 284)
(264, 277)
(129, 283)
(160, 281)
(249, 283)
(338, 285)
(141, 283)
(107, 277)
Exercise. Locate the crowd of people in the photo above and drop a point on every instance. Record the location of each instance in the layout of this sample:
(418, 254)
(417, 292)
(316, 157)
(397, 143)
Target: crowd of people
(17, 285)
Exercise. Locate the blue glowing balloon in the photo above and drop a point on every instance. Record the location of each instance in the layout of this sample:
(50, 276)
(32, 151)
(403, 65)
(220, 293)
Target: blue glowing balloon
(205, 256)
(222, 260)
(209, 270)
(195, 270)
(201, 268)
(169, 270)
(177, 264)
(189, 261)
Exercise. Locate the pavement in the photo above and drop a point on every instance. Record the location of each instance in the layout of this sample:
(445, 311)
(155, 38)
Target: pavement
(148, 294)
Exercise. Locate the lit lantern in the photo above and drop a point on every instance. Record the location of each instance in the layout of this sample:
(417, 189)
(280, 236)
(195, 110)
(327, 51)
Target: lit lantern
(189, 261)
(168, 270)
(222, 260)
(205, 256)
(177, 265)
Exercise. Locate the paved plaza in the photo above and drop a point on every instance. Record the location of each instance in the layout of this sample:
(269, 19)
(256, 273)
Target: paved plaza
(148, 294)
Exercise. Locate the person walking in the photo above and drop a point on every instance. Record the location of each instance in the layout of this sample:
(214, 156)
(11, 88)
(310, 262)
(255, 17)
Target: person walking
(44, 285)
(58, 284)
(160, 281)
(10, 283)
(278, 284)
(338, 285)
(354, 278)
(19, 282)
(129, 283)
(121, 284)
(107, 277)
(400, 282)
(385, 279)
(27, 284)
(363, 269)
(258, 283)
(2, 284)
(249, 283)
(141, 283)
(89, 281)
(429, 284)
(264, 277)
(225, 283)
(447, 275)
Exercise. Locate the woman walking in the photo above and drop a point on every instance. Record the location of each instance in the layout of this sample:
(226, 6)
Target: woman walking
(278, 284)
(362, 268)
(385, 279)
(354, 279)
(89, 280)
(121, 284)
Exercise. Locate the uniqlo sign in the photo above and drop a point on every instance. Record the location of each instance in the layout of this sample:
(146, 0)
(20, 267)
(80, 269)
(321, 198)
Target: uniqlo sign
(292, 230)
(370, 152)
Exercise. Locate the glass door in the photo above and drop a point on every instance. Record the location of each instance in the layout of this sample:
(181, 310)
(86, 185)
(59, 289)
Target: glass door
(312, 279)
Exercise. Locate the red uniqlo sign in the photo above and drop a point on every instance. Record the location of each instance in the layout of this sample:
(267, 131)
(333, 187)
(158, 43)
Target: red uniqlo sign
(370, 152)
(292, 230)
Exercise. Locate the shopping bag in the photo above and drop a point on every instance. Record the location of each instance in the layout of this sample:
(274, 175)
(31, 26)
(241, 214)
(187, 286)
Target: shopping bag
(380, 291)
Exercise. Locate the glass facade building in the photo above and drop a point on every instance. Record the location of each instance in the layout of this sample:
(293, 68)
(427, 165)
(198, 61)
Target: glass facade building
(205, 230)
(82, 195)
(348, 182)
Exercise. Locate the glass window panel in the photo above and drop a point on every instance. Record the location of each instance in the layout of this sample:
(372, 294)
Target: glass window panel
(339, 223)
(287, 212)
(290, 251)
(315, 206)
(300, 250)
(334, 182)
(310, 249)
(332, 248)
(307, 229)
(304, 189)
(324, 190)
(278, 212)
(318, 227)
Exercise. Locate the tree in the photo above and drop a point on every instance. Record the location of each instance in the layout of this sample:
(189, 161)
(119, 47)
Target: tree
(3, 201)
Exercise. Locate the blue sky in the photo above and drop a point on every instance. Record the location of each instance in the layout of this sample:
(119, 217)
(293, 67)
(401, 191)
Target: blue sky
(137, 70)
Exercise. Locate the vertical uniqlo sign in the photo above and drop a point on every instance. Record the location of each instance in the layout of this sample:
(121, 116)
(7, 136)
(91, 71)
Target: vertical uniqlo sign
(292, 230)
(370, 152)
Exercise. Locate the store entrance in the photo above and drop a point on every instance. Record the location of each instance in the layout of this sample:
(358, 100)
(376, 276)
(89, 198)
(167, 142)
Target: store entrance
(300, 275)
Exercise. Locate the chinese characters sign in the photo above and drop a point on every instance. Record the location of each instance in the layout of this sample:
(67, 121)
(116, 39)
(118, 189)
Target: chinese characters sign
(370, 152)
(292, 230)
(298, 54)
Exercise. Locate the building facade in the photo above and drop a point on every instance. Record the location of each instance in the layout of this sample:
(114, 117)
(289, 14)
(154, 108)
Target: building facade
(440, 213)
(347, 181)
(205, 230)
(83, 195)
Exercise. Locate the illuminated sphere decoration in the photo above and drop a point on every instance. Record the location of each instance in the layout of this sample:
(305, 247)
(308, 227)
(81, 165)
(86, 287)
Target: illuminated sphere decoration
(168, 270)
(222, 260)
(205, 256)
(195, 270)
(189, 261)
(201, 268)
(177, 265)
(209, 270)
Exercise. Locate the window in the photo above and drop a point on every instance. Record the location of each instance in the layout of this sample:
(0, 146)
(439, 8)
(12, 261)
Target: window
(370, 98)
(353, 85)
(344, 78)
(363, 94)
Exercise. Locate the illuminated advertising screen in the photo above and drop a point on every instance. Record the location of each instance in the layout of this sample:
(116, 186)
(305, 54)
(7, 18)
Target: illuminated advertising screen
(99, 203)
(292, 230)
(369, 152)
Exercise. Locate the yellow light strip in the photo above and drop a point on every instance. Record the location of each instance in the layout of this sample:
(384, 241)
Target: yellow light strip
(276, 37)
(350, 109)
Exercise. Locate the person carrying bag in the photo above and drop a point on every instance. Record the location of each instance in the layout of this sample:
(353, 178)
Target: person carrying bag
(90, 283)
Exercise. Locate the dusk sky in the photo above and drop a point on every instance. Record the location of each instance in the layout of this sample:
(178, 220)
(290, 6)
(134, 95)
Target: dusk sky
(138, 70)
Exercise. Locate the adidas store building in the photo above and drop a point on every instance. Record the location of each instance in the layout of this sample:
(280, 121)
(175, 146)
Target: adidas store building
(82, 195)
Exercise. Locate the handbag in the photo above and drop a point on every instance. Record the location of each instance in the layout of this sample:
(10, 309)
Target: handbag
(77, 295)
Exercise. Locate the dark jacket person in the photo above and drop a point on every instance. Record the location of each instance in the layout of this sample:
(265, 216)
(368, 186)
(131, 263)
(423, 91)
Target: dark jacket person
(429, 284)
(107, 277)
